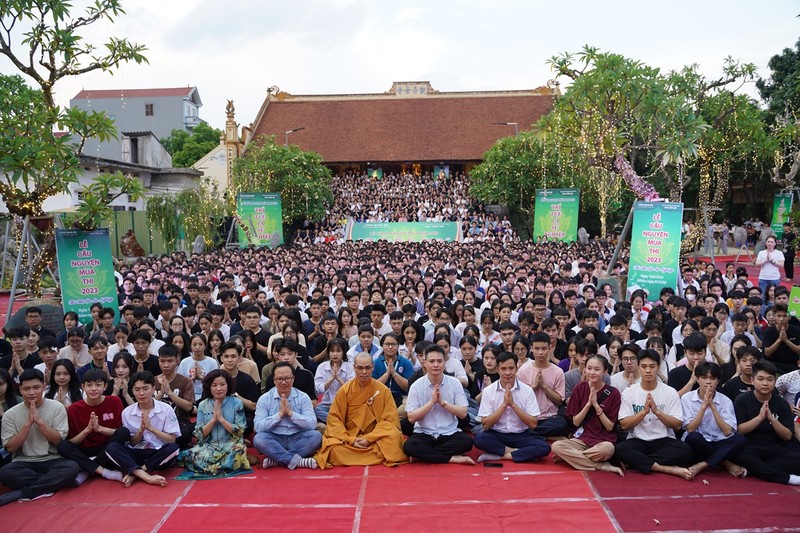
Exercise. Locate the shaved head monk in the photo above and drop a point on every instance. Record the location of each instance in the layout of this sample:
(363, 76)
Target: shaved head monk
(363, 426)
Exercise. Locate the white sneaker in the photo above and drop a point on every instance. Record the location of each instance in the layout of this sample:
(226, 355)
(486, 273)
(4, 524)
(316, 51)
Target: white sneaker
(39, 497)
(488, 457)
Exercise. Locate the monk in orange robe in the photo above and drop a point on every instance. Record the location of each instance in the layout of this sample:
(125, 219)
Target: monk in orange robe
(363, 426)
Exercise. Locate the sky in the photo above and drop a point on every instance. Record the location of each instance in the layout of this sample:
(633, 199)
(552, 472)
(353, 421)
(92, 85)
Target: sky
(236, 49)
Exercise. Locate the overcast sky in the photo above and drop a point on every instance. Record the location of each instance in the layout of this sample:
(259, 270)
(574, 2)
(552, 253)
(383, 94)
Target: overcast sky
(236, 49)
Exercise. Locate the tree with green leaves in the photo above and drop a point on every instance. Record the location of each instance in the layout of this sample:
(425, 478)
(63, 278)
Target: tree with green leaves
(45, 42)
(301, 178)
(630, 121)
(510, 173)
(781, 92)
(188, 148)
(193, 211)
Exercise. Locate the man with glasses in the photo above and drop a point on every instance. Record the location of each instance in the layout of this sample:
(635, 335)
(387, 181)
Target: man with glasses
(363, 424)
(285, 422)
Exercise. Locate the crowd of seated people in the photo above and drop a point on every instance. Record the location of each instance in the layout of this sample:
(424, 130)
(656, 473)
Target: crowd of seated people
(366, 353)
(405, 197)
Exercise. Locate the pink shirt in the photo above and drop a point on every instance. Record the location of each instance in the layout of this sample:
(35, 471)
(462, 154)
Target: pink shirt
(553, 377)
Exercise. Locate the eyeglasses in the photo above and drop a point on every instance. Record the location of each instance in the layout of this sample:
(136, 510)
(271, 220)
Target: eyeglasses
(283, 380)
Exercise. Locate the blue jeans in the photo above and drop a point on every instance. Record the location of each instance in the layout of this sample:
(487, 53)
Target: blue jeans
(322, 410)
(763, 285)
(283, 448)
(528, 446)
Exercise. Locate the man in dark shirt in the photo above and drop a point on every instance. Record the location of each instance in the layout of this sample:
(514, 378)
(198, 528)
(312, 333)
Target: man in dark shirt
(177, 391)
(245, 387)
(782, 341)
(33, 317)
(766, 420)
(682, 378)
(19, 359)
(746, 357)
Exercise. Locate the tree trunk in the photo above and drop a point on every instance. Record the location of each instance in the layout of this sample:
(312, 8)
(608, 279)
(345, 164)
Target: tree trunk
(33, 276)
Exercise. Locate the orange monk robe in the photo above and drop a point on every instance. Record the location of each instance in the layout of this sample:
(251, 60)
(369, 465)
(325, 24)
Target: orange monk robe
(368, 412)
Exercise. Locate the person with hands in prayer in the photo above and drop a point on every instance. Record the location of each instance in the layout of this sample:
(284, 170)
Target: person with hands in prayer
(508, 414)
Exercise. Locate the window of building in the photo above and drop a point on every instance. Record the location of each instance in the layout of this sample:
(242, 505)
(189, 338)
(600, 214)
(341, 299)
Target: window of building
(148, 110)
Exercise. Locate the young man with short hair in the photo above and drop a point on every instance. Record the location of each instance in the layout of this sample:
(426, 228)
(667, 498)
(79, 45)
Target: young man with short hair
(508, 413)
(742, 382)
(683, 378)
(650, 413)
(435, 404)
(766, 420)
(20, 359)
(93, 423)
(31, 430)
(710, 423)
(549, 386)
(245, 387)
(782, 341)
(177, 391)
(154, 429)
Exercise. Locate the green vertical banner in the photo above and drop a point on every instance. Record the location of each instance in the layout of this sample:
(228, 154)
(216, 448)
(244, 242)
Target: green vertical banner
(556, 214)
(86, 270)
(262, 214)
(655, 246)
(780, 212)
(794, 302)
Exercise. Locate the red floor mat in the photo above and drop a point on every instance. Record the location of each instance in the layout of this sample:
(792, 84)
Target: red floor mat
(662, 502)
(39, 516)
(195, 520)
(485, 517)
(264, 488)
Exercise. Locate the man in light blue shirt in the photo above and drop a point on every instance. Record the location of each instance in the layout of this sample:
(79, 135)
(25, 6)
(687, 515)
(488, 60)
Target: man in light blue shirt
(710, 423)
(435, 403)
(285, 422)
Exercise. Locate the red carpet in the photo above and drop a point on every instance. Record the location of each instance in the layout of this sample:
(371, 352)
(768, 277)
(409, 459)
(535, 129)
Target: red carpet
(659, 502)
(418, 497)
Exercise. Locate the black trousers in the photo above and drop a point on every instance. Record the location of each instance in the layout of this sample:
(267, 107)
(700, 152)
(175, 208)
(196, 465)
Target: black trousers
(34, 478)
(715, 452)
(641, 455)
(82, 456)
(130, 459)
(770, 461)
(437, 449)
(788, 264)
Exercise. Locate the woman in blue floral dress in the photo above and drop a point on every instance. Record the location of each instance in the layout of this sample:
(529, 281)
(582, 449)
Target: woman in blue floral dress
(219, 429)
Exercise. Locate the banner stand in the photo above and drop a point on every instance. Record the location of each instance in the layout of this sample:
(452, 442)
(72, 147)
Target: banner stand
(27, 240)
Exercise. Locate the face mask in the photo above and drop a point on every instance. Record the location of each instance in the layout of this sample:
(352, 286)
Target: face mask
(690, 297)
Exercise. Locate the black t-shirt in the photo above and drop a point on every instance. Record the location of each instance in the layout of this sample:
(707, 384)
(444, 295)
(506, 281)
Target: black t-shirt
(783, 357)
(30, 361)
(747, 407)
(303, 381)
(679, 377)
(5, 348)
(669, 327)
(734, 387)
(150, 364)
(246, 387)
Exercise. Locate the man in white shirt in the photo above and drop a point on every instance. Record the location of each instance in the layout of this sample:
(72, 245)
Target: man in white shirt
(435, 403)
(650, 413)
(154, 428)
(508, 412)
